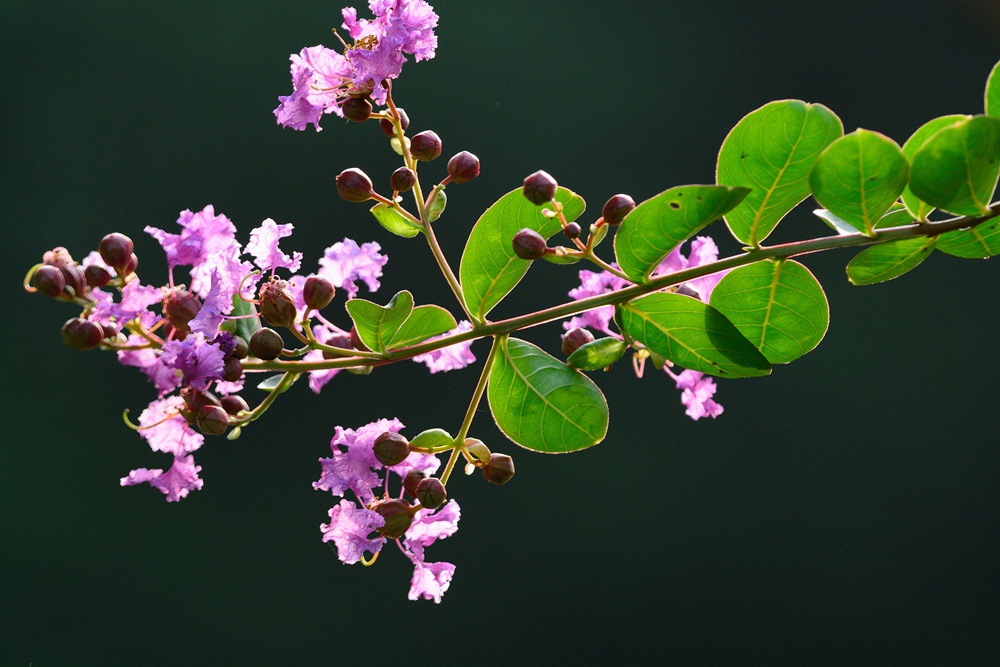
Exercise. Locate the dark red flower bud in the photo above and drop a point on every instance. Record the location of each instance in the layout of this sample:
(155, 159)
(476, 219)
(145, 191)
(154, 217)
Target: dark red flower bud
(357, 109)
(354, 185)
(116, 251)
(356, 341)
(463, 167)
(240, 347)
(403, 179)
(540, 187)
(276, 305)
(339, 340)
(412, 480)
(212, 420)
(75, 280)
(130, 266)
(48, 280)
(617, 208)
(196, 399)
(180, 307)
(317, 292)
(80, 334)
(232, 370)
(391, 448)
(499, 470)
(398, 516)
(575, 339)
(529, 244)
(234, 404)
(431, 493)
(425, 146)
(110, 331)
(96, 276)
(389, 129)
(266, 344)
(572, 230)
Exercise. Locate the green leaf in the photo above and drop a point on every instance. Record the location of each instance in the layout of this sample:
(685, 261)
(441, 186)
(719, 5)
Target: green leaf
(390, 218)
(658, 225)
(956, 169)
(779, 306)
(691, 334)
(597, 354)
(437, 206)
(888, 260)
(560, 258)
(423, 323)
(431, 438)
(242, 326)
(896, 217)
(490, 269)
(377, 325)
(858, 177)
(992, 96)
(976, 243)
(772, 151)
(541, 403)
(917, 208)
(597, 235)
(271, 383)
(834, 223)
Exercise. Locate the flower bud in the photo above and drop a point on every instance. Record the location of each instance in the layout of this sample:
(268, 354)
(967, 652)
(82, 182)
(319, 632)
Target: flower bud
(575, 339)
(96, 276)
(398, 516)
(180, 307)
(357, 109)
(403, 179)
(389, 129)
(617, 208)
(232, 370)
(356, 341)
(354, 185)
(110, 331)
(234, 404)
(499, 470)
(266, 344)
(276, 305)
(391, 448)
(425, 146)
(317, 292)
(212, 420)
(240, 347)
(412, 480)
(81, 334)
(463, 167)
(540, 187)
(572, 230)
(196, 399)
(431, 493)
(116, 251)
(48, 280)
(529, 244)
(478, 449)
(339, 340)
(130, 266)
(74, 278)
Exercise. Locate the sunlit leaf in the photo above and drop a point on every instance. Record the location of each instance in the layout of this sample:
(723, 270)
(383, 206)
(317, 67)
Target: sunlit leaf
(992, 95)
(431, 438)
(977, 243)
(377, 325)
(920, 210)
(597, 354)
(423, 323)
(394, 221)
(889, 260)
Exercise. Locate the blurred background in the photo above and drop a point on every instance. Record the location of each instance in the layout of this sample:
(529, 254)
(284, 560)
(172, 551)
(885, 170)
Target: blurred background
(844, 509)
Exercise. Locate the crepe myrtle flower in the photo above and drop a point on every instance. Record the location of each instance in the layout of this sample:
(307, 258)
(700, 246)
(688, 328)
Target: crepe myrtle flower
(323, 79)
(263, 246)
(345, 262)
(452, 357)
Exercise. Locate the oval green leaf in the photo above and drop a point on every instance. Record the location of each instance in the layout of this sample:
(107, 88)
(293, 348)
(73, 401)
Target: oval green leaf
(858, 177)
(431, 438)
(920, 210)
(772, 151)
(490, 269)
(658, 225)
(779, 306)
(377, 325)
(956, 169)
(394, 221)
(976, 243)
(597, 354)
(691, 334)
(438, 204)
(423, 323)
(992, 96)
(888, 260)
(541, 403)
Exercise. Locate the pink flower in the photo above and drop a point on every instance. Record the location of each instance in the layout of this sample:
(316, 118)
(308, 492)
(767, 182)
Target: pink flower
(135, 301)
(166, 433)
(349, 529)
(430, 580)
(148, 361)
(346, 261)
(353, 461)
(264, 247)
(323, 333)
(696, 395)
(176, 483)
(197, 361)
(202, 235)
(452, 357)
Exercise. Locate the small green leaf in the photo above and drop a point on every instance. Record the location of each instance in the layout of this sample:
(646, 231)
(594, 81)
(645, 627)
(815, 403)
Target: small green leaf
(956, 169)
(658, 225)
(597, 354)
(992, 96)
(541, 403)
(271, 382)
(432, 438)
(896, 217)
(390, 218)
(241, 325)
(772, 151)
(976, 243)
(779, 306)
(691, 334)
(597, 235)
(858, 177)
(423, 323)
(888, 260)
(917, 208)
(377, 325)
(437, 206)
(561, 258)
(490, 269)
(834, 223)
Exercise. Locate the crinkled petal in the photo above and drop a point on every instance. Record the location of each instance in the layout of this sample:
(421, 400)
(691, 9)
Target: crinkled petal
(176, 483)
(349, 530)
(165, 433)
(697, 391)
(149, 362)
(198, 361)
(452, 357)
(428, 527)
(346, 261)
(430, 580)
(264, 247)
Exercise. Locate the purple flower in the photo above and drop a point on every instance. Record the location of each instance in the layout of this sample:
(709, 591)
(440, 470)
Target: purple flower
(696, 395)
(148, 361)
(198, 361)
(264, 247)
(591, 284)
(452, 357)
(430, 580)
(166, 433)
(703, 251)
(353, 460)
(323, 333)
(216, 305)
(135, 301)
(346, 261)
(176, 483)
(349, 529)
(203, 235)
(321, 82)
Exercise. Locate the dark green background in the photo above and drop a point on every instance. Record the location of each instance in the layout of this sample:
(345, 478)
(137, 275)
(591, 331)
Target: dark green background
(842, 510)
